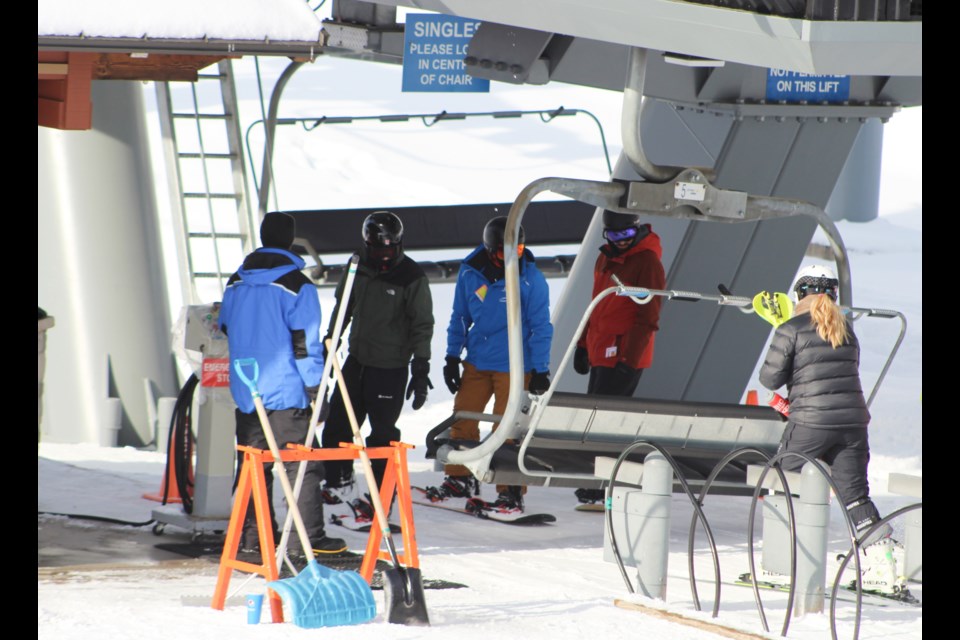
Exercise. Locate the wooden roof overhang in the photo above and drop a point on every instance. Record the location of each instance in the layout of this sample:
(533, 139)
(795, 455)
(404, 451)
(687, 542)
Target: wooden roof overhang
(66, 67)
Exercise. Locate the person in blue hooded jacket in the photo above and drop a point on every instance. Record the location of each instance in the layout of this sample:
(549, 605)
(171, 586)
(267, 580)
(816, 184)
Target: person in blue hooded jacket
(478, 325)
(271, 312)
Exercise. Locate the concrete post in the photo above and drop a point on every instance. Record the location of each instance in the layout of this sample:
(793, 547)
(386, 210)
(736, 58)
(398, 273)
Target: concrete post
(813, 520)
(812, 512)
(216, 448)
(641, 524)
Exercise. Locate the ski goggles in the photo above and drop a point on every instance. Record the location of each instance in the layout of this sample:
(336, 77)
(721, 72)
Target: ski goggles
(809, 286)
(619, 235)
(499, 253)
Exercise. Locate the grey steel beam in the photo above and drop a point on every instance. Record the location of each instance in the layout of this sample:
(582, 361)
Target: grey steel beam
(854, 48)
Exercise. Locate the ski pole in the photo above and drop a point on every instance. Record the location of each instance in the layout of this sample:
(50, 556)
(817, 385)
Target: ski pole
(317, 405)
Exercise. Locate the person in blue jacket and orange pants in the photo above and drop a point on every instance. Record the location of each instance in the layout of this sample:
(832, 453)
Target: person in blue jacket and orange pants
(478, 325)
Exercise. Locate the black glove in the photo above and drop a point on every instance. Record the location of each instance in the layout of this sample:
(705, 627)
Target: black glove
(419, 382)
(324, 411)
(312, 393)
(581, 361)
(451, 373)
(539, 382)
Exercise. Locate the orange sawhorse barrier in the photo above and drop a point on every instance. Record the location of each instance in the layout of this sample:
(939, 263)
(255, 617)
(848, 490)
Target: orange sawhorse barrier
(252, 482)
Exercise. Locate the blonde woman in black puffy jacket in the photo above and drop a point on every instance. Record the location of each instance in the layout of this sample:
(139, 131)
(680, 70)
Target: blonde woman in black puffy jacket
(817, 356)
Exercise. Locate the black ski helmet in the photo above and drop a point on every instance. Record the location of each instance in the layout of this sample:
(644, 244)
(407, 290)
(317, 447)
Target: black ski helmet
(383, 236)
(614, 220)
(383, 229)
(493, 234)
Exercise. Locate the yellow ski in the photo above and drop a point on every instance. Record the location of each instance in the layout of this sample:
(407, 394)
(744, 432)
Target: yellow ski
(776, 308)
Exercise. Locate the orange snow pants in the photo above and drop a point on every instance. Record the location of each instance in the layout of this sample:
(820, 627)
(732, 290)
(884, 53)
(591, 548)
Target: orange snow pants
(476, 389)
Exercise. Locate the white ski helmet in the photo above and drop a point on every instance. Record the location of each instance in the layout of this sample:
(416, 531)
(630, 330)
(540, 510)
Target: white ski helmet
(815, 278)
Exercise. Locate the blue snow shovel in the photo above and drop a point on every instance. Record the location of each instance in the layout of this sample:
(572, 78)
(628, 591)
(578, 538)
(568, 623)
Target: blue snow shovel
(318, 596)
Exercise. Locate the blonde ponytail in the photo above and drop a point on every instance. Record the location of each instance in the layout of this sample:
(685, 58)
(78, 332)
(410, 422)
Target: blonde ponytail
(828, 318)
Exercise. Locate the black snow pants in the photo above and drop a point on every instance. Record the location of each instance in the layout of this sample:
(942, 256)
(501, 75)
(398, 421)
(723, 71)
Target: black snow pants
(847, 451)
(376, 394)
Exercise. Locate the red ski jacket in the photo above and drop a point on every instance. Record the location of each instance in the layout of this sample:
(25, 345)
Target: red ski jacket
(619, 330)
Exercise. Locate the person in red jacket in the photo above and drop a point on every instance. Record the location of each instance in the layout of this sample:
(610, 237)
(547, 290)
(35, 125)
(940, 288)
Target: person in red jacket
(617, 344)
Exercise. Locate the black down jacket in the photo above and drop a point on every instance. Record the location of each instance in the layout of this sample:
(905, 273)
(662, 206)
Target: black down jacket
(823, 383)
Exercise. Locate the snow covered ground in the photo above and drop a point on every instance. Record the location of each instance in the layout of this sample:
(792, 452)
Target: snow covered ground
(543, 582)
(548, 582)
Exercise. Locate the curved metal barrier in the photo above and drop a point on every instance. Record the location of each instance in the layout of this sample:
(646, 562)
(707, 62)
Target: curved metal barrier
(770, 463)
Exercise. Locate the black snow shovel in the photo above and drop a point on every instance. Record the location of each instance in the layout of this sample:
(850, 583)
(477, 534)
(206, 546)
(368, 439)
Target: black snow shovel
(402, 586)
(318, 596)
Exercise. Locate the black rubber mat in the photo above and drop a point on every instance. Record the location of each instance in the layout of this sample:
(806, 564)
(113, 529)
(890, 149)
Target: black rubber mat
(344, 561)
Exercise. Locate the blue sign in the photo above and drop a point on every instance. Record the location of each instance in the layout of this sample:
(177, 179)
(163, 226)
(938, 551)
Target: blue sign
(790, 86)
(433, 51)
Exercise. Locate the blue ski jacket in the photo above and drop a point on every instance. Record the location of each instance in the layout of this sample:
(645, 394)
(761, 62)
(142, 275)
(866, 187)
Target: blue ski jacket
(271, 312)
(479, 319)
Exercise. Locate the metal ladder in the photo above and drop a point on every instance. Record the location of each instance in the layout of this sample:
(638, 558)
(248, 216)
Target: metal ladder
(208, 187)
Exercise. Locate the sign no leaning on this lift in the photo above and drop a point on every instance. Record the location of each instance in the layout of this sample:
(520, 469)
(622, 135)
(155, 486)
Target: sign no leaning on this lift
(790, 86)
(689, 191)
(434, 47)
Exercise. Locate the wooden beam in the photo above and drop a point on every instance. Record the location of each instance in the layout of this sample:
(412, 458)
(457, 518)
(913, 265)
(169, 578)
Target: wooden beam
(52, 56)
(713, 627)
(51, 69)
(50, 113)
(157, 67)
(65, 103)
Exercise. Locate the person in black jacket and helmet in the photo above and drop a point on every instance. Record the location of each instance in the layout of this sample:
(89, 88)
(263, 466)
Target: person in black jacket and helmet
(816, 355)
(390, 313)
